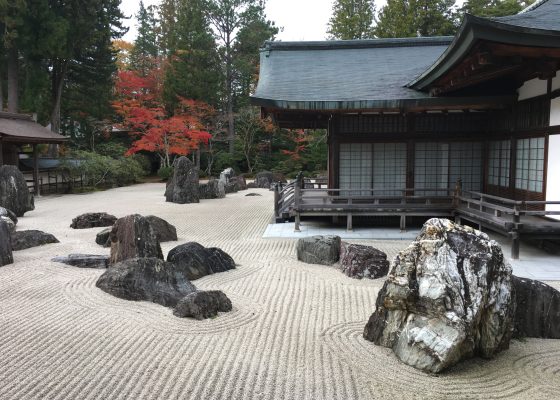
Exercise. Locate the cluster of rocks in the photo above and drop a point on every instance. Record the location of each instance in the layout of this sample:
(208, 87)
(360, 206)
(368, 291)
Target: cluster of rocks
(356, 261)
(136, 269)
(184, 187)
(451, 296)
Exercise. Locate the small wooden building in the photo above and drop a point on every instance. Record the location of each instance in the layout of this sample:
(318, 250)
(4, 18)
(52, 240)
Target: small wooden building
(417, 114)
(20, 129)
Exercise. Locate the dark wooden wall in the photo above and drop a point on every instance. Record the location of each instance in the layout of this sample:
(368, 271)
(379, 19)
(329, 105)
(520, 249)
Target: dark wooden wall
(528, 118)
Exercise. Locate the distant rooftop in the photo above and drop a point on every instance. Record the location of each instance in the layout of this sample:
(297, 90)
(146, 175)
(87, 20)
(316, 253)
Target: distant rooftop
(21, 128)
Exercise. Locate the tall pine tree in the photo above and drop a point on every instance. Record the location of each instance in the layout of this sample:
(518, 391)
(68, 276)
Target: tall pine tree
(144, 55)
(411, 18)
(352, 19)
(493, 8)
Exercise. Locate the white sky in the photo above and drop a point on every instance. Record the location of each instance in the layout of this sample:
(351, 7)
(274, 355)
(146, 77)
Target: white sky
(301, 19)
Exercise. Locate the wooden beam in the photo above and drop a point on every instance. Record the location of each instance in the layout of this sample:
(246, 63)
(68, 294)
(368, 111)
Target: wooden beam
(36, 170)
(1, 153)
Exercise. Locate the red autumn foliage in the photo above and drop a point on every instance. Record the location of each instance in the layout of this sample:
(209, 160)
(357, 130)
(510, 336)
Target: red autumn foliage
(300, 138)
(144, 115)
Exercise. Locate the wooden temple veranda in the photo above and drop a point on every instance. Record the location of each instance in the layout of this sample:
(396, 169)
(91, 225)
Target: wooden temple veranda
(466, 127)
(17, 130)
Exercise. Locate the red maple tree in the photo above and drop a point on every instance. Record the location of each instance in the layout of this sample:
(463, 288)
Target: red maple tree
(154, 129)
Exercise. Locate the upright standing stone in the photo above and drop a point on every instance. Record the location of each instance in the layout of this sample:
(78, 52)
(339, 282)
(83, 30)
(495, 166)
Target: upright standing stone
(6, 256)
(226, 175)
(182, 188)
(132, 237)
(448, 297)
(14, 194)
(264, 179)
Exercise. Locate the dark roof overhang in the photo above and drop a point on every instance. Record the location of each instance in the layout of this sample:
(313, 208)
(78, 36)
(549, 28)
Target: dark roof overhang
(475, 30)
(20, 128)
(399, 105)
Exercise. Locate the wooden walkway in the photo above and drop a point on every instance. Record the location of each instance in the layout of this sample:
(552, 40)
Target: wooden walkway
(528, 219)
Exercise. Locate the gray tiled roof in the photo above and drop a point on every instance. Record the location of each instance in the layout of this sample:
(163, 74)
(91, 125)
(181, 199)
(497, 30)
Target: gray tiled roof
(21, 128)
(541, 15)
(342, 71)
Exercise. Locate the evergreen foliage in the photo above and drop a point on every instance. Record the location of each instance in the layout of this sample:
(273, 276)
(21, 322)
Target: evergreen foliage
(352, 19)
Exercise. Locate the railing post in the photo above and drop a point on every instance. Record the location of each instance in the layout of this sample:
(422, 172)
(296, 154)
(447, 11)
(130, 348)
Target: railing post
(515, 237)
(297, 200)
(458, 192)
(277, 200)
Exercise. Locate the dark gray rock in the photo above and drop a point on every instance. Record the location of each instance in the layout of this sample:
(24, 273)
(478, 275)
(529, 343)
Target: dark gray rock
(132, 237)
(149, 279)
(231, 187)
(93, 220)
(164, 231)
(10, 223)
(214, 189)
(182, 188)
(252, 185)
(323, 250)
(14, 194)
(22, 240)
(4, 212)
(196, 261)
(253, 195)
(102, 238)
(6, 256)
(448, 297)
(264, 179)
(538, 309)
(84, 260)
(239, 182)
(358, 261)
(203, 304)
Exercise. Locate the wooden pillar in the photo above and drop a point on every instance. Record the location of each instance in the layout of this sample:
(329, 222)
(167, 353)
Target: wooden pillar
(349, 222)
(1, 153)
(515, 237)
(36, 170)
(276, 200)
(297, 200)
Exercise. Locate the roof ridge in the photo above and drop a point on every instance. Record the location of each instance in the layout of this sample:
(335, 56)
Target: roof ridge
(10, 115)
(358, 43)
(531, 7)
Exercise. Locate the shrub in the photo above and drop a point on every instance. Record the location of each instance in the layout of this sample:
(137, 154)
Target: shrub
(165, 173)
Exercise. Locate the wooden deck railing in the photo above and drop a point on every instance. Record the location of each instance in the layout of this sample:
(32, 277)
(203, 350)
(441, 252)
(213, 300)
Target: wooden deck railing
(308, 197)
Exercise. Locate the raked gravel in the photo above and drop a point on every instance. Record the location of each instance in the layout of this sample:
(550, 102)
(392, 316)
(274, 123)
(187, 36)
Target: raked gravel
(295, 331)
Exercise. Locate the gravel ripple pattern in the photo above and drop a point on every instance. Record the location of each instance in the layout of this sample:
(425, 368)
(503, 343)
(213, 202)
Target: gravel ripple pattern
(294, 333)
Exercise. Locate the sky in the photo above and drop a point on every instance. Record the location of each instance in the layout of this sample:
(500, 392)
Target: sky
(300, 19)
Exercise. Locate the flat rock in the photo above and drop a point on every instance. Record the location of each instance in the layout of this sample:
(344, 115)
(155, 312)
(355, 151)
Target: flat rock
(323, 250)
(84, 260)
(164, 231)
(132, 237)
(149, 279)
(358, 261)
(448, 297)
(196, 261)
(14, 193)
(93, 220)
(4, 212)
(203, 304)
(183, 188)
(537, 313)
(22, 240)
(102, 238)
(6, 256)
(253, 194)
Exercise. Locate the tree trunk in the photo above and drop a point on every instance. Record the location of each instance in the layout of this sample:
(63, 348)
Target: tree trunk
(58, 76)
(1, 93)
(229, 94)
(13, 87)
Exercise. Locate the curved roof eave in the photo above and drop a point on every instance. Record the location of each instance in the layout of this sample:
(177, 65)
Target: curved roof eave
(476, 28)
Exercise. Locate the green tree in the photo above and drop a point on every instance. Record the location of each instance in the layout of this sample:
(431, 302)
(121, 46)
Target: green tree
(193, 66)
(146, 50)
(493, 8)
(228, 18)
(411, 18)
(352, 19)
